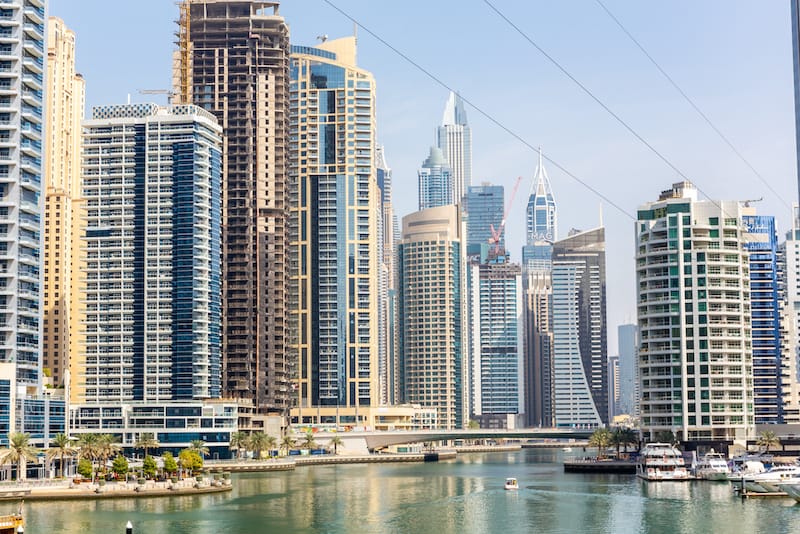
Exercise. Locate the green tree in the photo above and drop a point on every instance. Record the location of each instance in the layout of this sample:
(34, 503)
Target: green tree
(190, 460)
(335, 442)
(473, 424)
(239, 442)
(149, 466)
(61, 446)
(308, 441)
(271, 443)
(601, 438)
(199, 446)
(287, 443)
(120, 465)
(19, 452)
(85, 468)
(107, 447)
(768, 439)
(89, 449)
(170, 465)
(257, 442)
(146, 441)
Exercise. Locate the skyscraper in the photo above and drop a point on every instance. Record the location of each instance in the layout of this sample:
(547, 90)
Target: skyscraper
(538, 368)
(431, 314)
(693, 279)
(541, 223)
(336, 216)
(761, 241)
(795, 10)
(628, 341)
(580, 359)
(387, 355)
(497, 348)
(151, 246)
(233, 60)
(789, 292)
(435, 181)
(62, 173)
(484, 207)
(21, 203)
(454, 138)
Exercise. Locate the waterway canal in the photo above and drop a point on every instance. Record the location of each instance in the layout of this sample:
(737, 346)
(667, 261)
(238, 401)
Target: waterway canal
(460, 496)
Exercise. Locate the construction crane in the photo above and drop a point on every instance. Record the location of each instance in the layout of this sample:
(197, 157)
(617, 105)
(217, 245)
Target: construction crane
(170, 93)
(752, 200)
(497, 234)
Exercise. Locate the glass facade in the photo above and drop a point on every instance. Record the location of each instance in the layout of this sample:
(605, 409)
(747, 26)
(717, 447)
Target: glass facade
(435, 181)
(484, 206)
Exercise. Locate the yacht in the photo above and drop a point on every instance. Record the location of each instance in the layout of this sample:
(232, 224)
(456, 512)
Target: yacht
(511, 484)
(661, 461)
(712, 466)
(770, 481)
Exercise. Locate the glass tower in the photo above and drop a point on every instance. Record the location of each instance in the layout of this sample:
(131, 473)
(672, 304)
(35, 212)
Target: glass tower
(435, 181)
(484, 206)
(22, 66)
(454, 139)
(151, 261)
(336, 219)
(541, 228)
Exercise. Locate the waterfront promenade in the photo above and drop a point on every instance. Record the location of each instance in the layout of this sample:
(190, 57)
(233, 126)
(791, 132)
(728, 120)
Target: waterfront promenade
(67, 490)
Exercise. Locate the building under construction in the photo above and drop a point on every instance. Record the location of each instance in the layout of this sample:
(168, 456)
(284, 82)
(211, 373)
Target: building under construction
(233, 60)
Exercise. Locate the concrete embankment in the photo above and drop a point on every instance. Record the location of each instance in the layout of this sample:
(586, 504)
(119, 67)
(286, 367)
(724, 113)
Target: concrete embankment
(113, 490)
(325, 459)
(599, 466)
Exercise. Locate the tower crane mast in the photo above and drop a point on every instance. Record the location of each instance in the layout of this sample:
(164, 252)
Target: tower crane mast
(498, 233)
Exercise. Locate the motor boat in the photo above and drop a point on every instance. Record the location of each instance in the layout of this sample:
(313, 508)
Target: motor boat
(712, 466)
(661, 461)
(511, 484)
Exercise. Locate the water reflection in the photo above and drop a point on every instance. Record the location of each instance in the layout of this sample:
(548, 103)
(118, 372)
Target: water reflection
(460, 497)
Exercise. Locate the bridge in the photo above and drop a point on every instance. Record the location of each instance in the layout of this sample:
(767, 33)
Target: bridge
(356, 441)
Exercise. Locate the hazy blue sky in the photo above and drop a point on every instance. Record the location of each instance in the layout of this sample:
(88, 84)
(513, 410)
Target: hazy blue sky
(733, 57)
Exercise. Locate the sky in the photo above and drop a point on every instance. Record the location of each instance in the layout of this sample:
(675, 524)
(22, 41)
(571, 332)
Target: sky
(732, 57)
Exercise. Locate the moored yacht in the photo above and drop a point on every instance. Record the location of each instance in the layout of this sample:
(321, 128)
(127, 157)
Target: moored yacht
(770, 481)
(661, 461)
(712, 466)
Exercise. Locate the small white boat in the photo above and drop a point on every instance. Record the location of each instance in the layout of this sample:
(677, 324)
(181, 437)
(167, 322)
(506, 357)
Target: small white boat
(511, 484)
(712, 466)
(566, 449)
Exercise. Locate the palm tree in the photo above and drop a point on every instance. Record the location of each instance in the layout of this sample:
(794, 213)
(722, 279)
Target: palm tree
(335, 441)
(308, 441)
(61, 446)
(617, 438)
(629, 437)
(287, 442)
(601, 438)
(257, 442)
(89, 447)
(666, 436)
(18, 452)
(768, 439)
(147, 441)
(107, 447)
(200, 446)
(239, 442)
(271, 443)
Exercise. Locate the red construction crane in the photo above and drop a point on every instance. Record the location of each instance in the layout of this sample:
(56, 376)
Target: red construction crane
(496, 234)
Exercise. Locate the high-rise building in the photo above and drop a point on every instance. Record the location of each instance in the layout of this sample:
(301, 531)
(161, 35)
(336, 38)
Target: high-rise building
(694, 310)
(387, 295)
(151, 242)
(789, 294)
(761, 241)
(62, 175)
(541, 223)
(628, 346)
(432, 315)
(497, 346)
(233, 60)
(580, 359)
(539, 379)
(795, 10)
(484, 207)
(336, 218)
(435, 181)
(454, 139)
(22, 66)
(613, 387)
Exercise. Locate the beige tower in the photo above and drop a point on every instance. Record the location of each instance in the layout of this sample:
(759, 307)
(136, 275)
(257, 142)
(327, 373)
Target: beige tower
(64, 107)
(336, 210)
